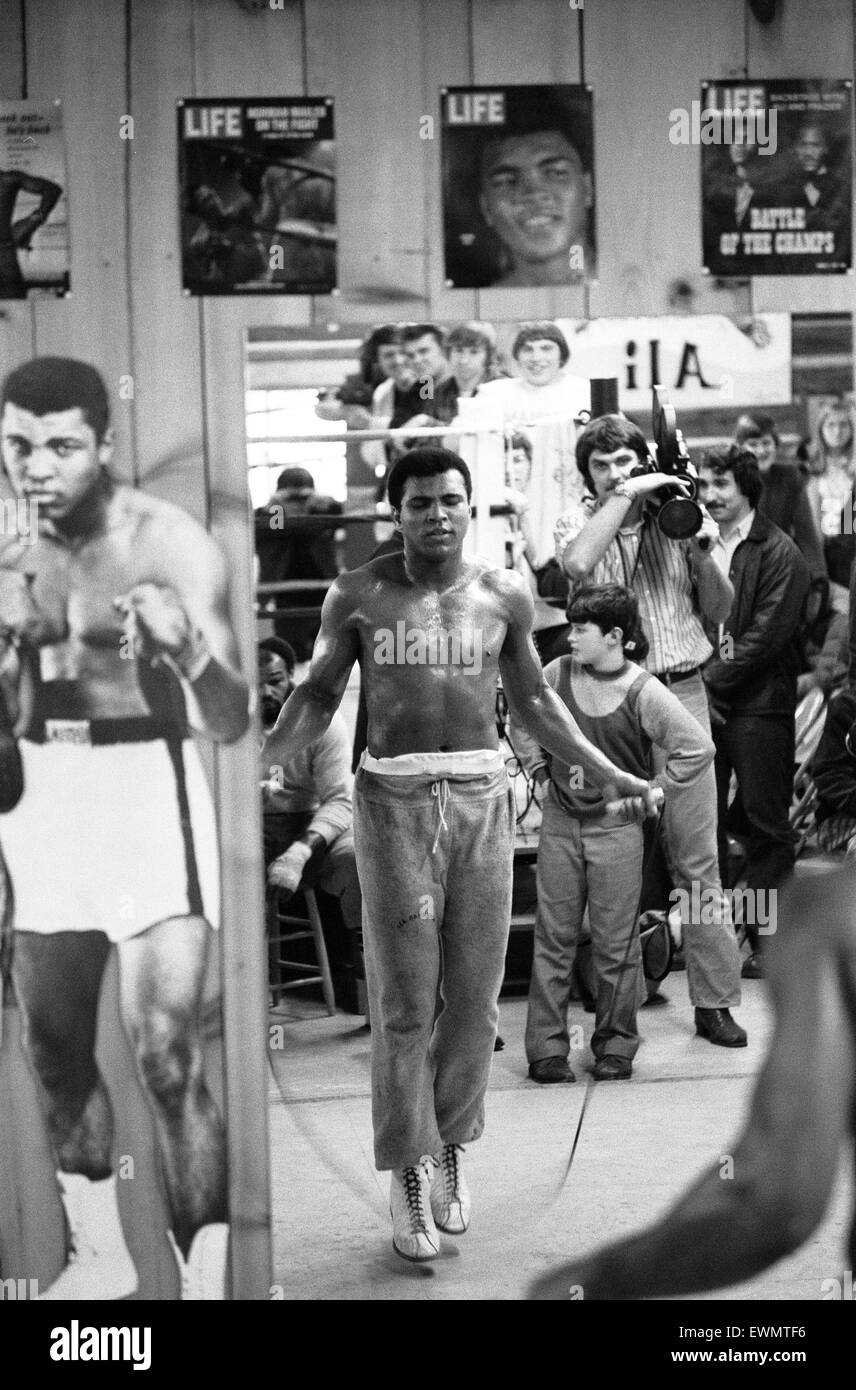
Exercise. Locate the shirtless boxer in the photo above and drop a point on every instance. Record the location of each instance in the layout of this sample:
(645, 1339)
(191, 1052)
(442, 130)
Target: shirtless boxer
(122, 602)
(785, 1161)
(434, 820)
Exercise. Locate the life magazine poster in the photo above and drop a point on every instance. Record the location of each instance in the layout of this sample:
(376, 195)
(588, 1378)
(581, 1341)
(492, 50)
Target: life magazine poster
(257, 182)
(776, 177)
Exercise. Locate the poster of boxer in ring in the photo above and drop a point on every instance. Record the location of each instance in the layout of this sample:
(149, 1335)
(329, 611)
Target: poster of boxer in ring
(34, 242)
(257, 181)
(518, 186)
(776, 175)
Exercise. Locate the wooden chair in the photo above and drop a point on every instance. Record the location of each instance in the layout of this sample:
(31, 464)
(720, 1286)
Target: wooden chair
(285, 925)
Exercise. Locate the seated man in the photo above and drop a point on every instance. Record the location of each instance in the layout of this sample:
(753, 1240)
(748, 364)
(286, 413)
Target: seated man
(307, 801)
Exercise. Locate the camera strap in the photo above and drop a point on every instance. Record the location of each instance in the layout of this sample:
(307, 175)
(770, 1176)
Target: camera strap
(628, 580)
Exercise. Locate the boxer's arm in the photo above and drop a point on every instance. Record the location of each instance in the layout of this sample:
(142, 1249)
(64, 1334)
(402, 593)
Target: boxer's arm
(182, 616)
(309, 709)
(538, 708)
(743, 1215)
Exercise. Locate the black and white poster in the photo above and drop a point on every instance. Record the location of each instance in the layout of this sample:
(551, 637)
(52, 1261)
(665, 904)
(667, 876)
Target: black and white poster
(34, 242)
(518, 186)
(776, 175)
(257, 182)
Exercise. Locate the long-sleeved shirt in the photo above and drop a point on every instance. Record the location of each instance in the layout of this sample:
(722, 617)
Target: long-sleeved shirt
(623, 713)
(317, 781)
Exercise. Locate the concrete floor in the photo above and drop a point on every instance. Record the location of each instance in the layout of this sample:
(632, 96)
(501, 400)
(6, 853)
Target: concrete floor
(641, 1142)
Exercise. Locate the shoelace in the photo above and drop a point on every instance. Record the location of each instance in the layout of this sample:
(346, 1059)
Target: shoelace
(441, 791)
(450, 1170)
(414, 1197)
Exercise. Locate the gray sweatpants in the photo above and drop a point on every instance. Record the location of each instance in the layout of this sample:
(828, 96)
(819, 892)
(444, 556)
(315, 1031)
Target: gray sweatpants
(435, 857)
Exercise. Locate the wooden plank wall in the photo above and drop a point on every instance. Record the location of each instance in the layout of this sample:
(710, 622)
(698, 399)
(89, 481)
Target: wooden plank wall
(182, 433)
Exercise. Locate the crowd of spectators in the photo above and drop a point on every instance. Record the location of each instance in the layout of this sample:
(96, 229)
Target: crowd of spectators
(736, 624)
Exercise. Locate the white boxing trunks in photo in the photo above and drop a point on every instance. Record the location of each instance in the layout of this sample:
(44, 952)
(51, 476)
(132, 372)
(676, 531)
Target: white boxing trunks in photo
(111, 837)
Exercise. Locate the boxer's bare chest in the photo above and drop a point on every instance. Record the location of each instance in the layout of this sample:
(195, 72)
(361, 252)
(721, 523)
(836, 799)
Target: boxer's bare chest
(77, 584)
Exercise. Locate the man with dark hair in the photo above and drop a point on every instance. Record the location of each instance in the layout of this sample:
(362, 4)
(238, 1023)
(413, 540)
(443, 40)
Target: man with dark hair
(588, 860)
(306, 804)
(119, 614)
(752, 678)
(612, 537)
(785, 500)
(434, 820)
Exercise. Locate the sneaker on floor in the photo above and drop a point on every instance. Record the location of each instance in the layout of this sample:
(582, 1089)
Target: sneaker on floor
(611, 1067)
(414, 1234)
(450, 1195)
(753, 967)
(551, 1071)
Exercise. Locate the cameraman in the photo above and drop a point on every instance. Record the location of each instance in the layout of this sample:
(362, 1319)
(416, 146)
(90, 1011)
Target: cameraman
(612, 537)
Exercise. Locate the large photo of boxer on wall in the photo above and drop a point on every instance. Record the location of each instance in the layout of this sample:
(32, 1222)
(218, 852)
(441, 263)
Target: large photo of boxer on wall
(115, 648)
(518, 186)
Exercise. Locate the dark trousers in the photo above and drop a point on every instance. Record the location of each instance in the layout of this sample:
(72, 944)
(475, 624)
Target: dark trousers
(759, 749)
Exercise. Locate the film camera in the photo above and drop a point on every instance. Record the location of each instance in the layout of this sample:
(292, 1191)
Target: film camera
(678, 514)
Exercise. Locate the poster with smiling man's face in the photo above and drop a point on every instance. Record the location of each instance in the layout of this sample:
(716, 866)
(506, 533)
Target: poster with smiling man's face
(518, 186)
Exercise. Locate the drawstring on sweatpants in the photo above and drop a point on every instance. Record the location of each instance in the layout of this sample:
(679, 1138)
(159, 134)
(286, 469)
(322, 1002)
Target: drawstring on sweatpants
(441, 791)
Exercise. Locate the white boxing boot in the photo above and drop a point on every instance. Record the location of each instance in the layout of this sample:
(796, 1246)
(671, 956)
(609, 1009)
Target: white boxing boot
(99, 1262)
(203, 1273)
(414, 1234)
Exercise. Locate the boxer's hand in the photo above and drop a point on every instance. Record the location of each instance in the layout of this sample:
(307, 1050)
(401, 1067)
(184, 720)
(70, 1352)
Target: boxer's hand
(286, 871)
(20, 615)
(156, 621)
(628, 795)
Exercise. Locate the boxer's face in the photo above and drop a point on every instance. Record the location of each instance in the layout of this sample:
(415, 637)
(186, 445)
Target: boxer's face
(53, 459)
(434, 514)
(536, 195)
(810, 149)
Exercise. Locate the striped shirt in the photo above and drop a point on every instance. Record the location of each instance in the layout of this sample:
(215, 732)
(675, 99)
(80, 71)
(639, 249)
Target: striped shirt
(660, 576)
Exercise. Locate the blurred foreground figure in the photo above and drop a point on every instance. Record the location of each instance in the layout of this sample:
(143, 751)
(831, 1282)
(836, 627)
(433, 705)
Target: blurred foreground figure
(784, 1164)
